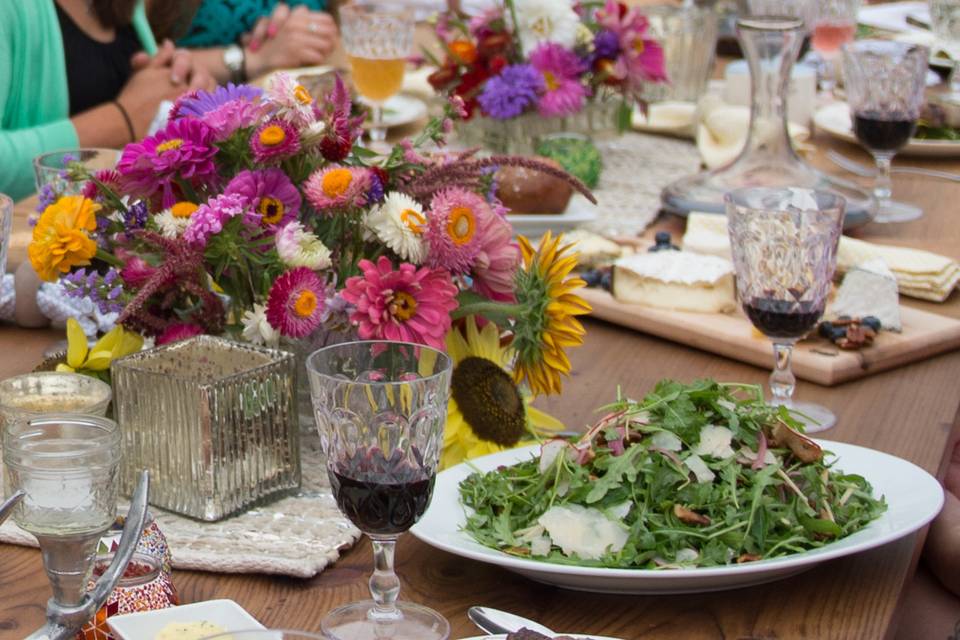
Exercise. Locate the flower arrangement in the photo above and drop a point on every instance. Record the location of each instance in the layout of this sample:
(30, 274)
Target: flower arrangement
(256, 214)
(547, 56)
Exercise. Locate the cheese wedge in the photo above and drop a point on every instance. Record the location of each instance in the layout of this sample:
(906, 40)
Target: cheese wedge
(869, 289)
(676, 280)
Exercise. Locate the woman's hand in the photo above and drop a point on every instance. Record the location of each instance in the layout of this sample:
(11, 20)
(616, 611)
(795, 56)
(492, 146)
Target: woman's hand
(289, 39)
(183, 68)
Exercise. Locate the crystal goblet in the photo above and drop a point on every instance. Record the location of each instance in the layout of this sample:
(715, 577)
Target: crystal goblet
(945, 21)
(380, 408)
(784, 243)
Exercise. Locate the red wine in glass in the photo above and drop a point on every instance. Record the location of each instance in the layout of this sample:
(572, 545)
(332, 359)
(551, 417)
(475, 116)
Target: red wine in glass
(782, 318)
(884, 132)
(830, 35)
(382, 495)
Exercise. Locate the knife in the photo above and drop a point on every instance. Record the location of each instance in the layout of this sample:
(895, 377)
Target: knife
(494, 621)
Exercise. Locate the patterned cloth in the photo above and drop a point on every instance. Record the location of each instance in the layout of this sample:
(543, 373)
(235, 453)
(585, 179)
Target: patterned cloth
(221, 22)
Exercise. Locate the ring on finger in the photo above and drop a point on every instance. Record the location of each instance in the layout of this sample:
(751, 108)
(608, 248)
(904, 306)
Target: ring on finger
(314, 27)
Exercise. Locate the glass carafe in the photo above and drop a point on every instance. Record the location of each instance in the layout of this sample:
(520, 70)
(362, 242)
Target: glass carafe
(768, 158)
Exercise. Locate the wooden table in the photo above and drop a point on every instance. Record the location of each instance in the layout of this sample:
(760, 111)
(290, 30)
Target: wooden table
(911, 412)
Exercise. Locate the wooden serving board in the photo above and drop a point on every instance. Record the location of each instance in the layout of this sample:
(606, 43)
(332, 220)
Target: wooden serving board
(814, 359)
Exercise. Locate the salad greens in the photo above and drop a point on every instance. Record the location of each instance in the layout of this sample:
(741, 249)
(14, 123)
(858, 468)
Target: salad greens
(703, 474)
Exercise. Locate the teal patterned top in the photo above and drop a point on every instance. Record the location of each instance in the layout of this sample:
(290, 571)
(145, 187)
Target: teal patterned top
(218, 23)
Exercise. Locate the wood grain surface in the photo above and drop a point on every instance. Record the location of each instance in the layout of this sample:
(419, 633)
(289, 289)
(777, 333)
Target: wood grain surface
(910, 412)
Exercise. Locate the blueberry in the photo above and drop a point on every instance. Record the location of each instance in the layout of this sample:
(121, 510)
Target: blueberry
(838, 333)
(662, 237)
(663, 242)
(871, 321)
(825, 329)
(606, 282)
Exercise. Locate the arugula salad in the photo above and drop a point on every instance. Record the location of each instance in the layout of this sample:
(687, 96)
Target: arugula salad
(696, 475)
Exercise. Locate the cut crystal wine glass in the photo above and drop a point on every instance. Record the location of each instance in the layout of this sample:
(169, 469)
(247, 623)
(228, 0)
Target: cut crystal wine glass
(885, 86)
(945, 20)
(380, 408)
(784, 243)
(834, 25)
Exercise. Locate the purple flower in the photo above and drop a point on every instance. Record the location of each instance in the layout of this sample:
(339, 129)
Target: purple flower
(270, 193)
(101, 290)
(512, 92)
(606, 45)
(375, 193)
(183, 149)
(210, 218)
(200, 103)
(274, 140)
(46, 197)
(135, 216)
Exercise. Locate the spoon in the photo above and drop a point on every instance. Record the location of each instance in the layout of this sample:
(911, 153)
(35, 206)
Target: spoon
(494, 621)
(8, 506)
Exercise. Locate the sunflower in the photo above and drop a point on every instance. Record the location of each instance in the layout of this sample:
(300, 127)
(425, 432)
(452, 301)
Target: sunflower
(486, 412)
(550, 324)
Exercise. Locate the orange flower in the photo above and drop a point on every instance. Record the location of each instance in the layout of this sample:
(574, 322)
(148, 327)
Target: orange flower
(60, 239)
(463, 51)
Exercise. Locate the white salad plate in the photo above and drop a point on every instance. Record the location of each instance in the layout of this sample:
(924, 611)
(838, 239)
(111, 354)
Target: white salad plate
(147, 624)
(575, 636)
(913, 498)
(834, 118)
(400, 110)
(533, 225)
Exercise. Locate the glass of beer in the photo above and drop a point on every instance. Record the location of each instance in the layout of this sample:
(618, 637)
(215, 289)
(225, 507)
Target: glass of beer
(378, 38)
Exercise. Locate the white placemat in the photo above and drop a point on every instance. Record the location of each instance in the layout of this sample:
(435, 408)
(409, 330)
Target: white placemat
(296, 536)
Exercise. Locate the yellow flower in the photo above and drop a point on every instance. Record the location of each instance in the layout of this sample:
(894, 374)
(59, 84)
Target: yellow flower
(60, 241)
(490, 404)
(114, 344)
(552, 325)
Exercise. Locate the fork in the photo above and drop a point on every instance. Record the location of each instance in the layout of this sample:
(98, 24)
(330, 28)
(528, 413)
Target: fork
(867, 172)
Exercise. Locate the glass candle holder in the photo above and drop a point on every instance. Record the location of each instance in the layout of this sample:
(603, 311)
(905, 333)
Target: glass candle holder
(52, 171)
(40, 392)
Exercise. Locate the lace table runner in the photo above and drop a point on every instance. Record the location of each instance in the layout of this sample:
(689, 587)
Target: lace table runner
(636, 168)
(296, 536)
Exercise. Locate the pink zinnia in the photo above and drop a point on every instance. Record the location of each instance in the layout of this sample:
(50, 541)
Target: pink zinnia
(561, 71)
(210, 218)
(454, 223)
(274, 140)
(295, 303)
(497, 262)
(183, 149)
(406, 305)
(641, 59)
(270, 193)
(336, 187)
(178, 331)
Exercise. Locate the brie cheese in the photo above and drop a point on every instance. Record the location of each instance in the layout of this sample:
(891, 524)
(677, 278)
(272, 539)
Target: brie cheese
(869, 289)
(675, 280)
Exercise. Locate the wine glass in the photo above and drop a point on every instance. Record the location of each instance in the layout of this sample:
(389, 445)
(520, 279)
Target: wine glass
(378, 38)
(835, 25)
(380, 408)
(945, 21)
(784, 243)
(885, 89)
(66, 465)
(265, 634)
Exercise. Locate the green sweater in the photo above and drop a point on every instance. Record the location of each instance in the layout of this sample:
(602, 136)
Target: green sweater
(34, 102)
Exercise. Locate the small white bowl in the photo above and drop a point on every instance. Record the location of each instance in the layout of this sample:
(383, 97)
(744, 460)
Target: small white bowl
(146, 625)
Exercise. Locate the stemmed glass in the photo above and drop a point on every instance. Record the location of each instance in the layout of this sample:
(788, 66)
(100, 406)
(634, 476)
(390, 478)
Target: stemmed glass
(380, 408)
(784, 243)
(885, 86)
(945, 20)
(378, 38)
(835, 25)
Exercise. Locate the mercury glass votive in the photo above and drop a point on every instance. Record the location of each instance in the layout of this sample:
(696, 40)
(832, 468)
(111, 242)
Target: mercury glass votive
(35, 393)
(214, 421)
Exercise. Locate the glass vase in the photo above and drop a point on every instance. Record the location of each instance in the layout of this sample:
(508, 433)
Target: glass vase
(768, 158)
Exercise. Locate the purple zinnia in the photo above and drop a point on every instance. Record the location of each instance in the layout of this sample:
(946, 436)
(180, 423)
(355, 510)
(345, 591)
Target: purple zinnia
(275, 139)
(183, 149)
(561, 70)
(270, 193)
(512, 92)
(606, 45)
(210, 218)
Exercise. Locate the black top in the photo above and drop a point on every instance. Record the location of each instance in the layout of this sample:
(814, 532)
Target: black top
(96, 71)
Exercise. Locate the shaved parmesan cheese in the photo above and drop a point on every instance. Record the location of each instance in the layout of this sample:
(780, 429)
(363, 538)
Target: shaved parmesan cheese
(768, 457)
(715, 441)
(583, 531)
(666, 440)
(541, 546)
(620, 511)
(550, 451)
(687, 555)
(700, 469)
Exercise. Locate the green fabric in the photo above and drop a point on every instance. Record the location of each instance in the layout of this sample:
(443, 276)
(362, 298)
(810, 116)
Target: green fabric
(218, 23)
(34, 103)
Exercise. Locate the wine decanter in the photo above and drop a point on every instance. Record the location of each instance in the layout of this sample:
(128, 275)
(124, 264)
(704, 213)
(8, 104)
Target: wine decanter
(66, 468)
(768, 159)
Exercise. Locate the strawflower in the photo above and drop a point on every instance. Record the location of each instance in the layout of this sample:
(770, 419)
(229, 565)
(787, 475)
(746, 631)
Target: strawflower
(61, 239)
(297, 247)
(174, 221)
(270, 193)
(564, 93)
(295, 304)
(274, 140)
(400, 223)
(508, 95)
(456, 218)
(405, 305)
(183, 150)
(497, 260)
(550, 324)
(336, 187)
(292, 100)
(257, 329)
